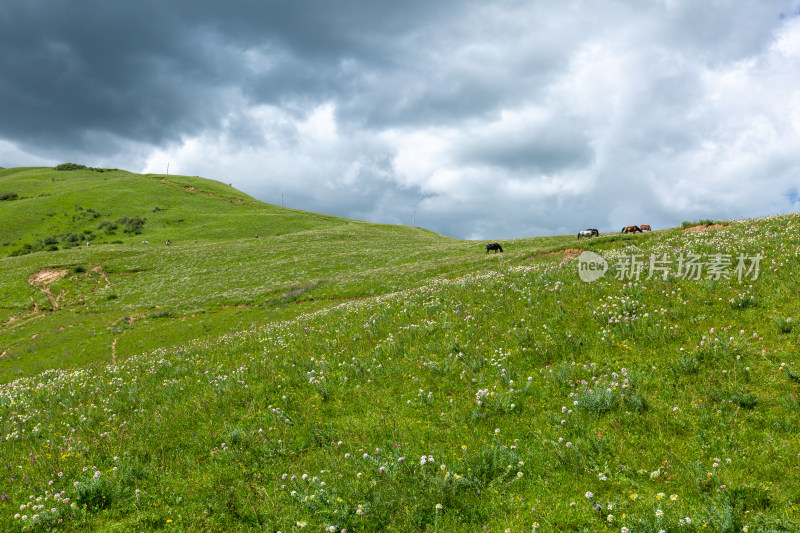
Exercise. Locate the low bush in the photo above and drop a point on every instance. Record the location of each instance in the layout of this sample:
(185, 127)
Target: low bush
(70, 166)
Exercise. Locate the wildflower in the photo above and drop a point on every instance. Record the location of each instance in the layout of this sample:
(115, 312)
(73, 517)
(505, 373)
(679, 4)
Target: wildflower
(610, 518)
(633, 496)
(519, 474)
(589, 495)
(674, 497)
(659, 495)
(624, 530)
(659, 513)
(438, 506)
(423, 460)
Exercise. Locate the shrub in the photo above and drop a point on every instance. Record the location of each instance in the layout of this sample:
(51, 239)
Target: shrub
(70, 166)
(600, 401)
(132, 225)
(746, 400)
(785, 325)
(107, 225)
(8, 196)
(95, 494)
(704, 222)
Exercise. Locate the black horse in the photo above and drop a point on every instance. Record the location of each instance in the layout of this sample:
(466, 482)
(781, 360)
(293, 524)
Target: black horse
(494, 246)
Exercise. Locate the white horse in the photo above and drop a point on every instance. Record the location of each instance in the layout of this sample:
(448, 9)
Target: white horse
(588, 233)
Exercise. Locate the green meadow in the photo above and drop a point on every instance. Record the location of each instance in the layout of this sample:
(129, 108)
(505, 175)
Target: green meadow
(337, 375)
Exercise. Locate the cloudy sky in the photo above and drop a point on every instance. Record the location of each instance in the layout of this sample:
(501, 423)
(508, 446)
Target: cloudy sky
(479, 120)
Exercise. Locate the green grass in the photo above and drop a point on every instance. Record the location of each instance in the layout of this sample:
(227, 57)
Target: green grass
(296, 382)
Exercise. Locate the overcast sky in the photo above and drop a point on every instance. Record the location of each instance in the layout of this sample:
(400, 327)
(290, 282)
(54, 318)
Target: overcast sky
(478, 120)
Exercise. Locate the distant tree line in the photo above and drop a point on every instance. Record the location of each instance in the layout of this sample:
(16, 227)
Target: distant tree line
(76, 166)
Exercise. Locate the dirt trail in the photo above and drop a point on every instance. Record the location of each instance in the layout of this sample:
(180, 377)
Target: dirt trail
(42, 281)
(567, 253)
(99, 270)
(703, 227)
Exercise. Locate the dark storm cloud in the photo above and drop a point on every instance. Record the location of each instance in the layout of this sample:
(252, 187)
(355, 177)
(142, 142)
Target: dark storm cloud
(154, 71)
(486, 119)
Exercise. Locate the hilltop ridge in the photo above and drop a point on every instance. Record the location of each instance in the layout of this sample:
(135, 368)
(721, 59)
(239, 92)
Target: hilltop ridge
(55, 209)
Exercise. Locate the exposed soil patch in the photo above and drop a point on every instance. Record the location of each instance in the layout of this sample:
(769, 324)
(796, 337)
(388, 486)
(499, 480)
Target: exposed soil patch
(566, 254)
(703, 227)
(99, 270)
(46, 276)
(42, 281)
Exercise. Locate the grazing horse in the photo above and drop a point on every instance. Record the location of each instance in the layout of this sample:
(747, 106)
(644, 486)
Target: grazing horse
(591, 232)
(631, 229)
(494, 246)
(645, 227)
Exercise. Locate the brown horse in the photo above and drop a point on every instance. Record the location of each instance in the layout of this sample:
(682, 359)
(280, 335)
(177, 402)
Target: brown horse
(631, 229)
(645, 227)
(494, 246)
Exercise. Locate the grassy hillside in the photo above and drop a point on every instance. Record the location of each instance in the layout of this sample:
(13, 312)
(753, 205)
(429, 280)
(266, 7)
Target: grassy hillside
(53, 207)
(65, 304)
(418, 385)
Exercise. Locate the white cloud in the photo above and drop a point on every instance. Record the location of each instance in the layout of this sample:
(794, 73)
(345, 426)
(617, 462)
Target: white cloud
(489, 119)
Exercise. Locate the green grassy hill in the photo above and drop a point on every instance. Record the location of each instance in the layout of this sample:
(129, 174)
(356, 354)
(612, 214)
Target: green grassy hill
(118, 296)
(362, 377)
(52, 206)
